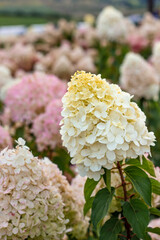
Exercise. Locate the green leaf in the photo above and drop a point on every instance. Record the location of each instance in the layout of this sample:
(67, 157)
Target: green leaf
(137, 214)
(155, 230)
(140, 181)
(155, 186)
(88, 205)
(147, 165)
(62, 159)
(107, 179)
(135, 238)
(147, 236)
(100, 205)
(89, 187)
(110, 229)
(155, 211)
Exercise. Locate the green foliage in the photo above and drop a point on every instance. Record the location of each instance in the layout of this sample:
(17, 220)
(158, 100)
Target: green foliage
(110, 57)
(155, 211)
(140, 181)
(155, 186)
(1, 106)
(89, 188)
(111, 229)
(62, 159)
(19, 20)
(147, 165)
(88, 205)
(154, 230)
(107, 179)
(137, 214)
(101, 205)
(19, 133)
(151, 109)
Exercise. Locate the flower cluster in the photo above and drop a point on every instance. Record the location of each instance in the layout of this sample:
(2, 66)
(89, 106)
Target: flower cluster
(29, 206)
(19, 56)
(5, 139)
(46, 126)
(73, 200)
(150, 27)
(138, 77)
(65, 60)
(111, 24)
(101, 125)
(29, 98)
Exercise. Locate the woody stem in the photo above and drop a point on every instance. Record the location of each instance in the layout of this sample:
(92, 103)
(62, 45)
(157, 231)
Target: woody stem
(127, 225)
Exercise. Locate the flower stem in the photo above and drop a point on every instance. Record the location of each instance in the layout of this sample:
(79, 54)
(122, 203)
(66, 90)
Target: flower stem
(127, 225)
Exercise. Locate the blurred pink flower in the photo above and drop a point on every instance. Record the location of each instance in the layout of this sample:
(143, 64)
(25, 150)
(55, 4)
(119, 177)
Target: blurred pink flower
(46, 126)
(29, 98)
(137, 42)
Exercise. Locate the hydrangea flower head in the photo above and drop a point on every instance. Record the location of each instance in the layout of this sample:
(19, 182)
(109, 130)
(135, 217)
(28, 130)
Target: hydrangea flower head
(138, 77)
(29, 97)
(111, 24)
(101, 125)
(29, 206)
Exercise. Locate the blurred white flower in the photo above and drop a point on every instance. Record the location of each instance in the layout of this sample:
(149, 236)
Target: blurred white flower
(138, 77)
(111, 24)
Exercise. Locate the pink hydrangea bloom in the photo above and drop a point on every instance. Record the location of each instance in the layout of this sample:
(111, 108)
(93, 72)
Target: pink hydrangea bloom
(46, 126)
(30, 97)
(5, 139)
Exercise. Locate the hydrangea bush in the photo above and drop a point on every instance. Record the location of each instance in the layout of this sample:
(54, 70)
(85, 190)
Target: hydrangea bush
(106, 135)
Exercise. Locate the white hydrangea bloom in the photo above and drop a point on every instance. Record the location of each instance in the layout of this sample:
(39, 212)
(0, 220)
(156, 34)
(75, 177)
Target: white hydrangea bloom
(138, 77)
(101, 125)
(111, 24)
(29, 207)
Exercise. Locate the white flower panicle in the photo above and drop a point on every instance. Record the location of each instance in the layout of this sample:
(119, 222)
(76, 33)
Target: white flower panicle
(111, 24)
(29, 207)
(138, 77)
(101, 125)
